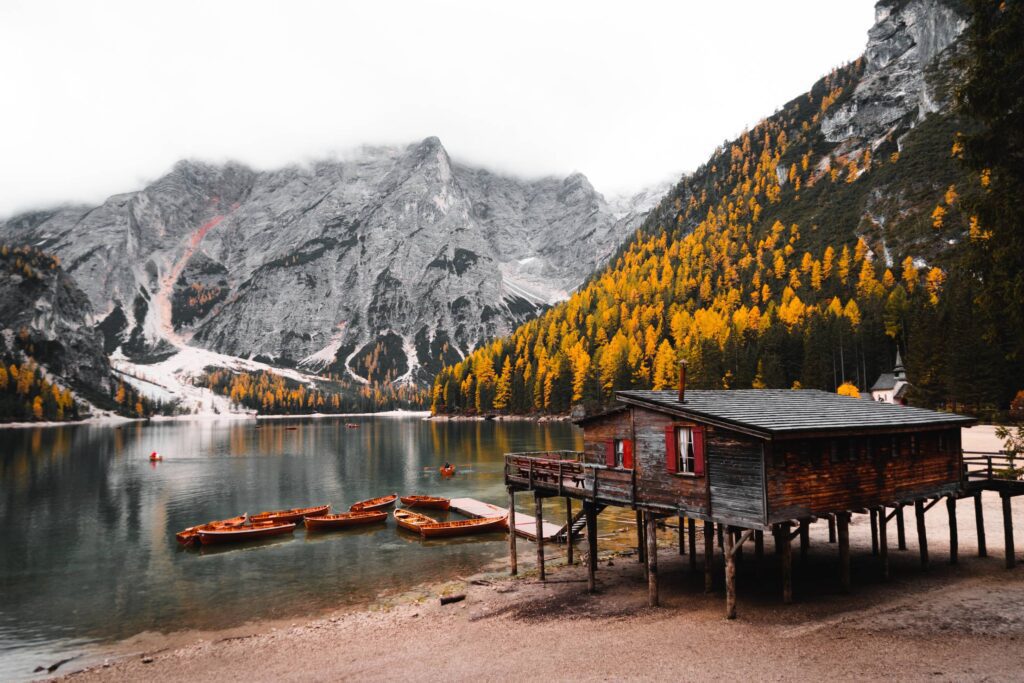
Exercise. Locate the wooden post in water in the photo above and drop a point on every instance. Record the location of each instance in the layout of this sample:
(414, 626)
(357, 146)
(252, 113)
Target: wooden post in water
(953, 539)
(883, 542)
(786, 556)
(651, 534)
(539, 511)
(591, 517)
(843, 529)
(979, 521)
(730, 575)
(922, 535)
(640, 544)
(512, 559)
(1011, 558)
(709, 555)
(901, 532)
(691, 528)
(831, 528)
(874, 531)
(682, 535)
(568, 530)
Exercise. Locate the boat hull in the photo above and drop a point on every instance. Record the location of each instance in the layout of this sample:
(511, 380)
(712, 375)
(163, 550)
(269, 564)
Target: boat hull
(427, 502)
(381, 503)
(291, 516)
(246, 533)
(463, 527)
(412, 521)
(190, 535)
(344, 520)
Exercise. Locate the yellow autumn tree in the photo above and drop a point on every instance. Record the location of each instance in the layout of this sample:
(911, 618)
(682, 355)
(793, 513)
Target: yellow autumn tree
(848, 389)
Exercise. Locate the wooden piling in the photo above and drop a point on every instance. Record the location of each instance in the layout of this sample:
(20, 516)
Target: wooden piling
(691, 525)
(953, 539)
(719, 531)
(539, 512)
(682, 535)
(901, 531)
(758, 545)
(730, 575)
(568, 531)
(922, 535)
(873, 514)
(831, 528)
(513, 560)
(640, 544)
(652, 559)
(805, 540)
(786, 555)
(1011, 558)
(590, 514)
(979, 521)
(883, 542)
(843, 533)
(709, 555)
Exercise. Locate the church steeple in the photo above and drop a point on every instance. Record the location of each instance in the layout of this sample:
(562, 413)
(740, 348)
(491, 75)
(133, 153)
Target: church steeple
(898, 371)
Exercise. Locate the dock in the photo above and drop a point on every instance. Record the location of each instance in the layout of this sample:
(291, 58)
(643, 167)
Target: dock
(526, 525)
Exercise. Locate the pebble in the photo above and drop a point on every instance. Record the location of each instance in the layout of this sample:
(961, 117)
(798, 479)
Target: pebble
(147, 660)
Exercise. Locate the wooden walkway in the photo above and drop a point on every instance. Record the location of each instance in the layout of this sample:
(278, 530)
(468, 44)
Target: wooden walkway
(526, 525)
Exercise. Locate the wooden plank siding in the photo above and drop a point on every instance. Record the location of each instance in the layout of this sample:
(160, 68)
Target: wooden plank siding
(656, 486)
(735, 472)
(808, 477)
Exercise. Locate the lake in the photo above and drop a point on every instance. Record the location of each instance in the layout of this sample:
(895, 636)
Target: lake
(89, 554)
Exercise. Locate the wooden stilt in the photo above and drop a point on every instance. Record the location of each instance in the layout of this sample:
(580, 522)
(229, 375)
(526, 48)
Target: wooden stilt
(591, 517)
(786, 554)
(568, 530)
(709, 555)
(953, 539)
(805, 540)
(513, 560)
(922, 535)
(843, 533)
(901, 531)
(691, 527)
(640, 545)
(979, 521)
(539, 512)
(730, 575)
(831, 528)
(682, 535)
(719, 536)
(883, 542)
(758, 544)
(1011, 558)
(874, 531)
(652, 559)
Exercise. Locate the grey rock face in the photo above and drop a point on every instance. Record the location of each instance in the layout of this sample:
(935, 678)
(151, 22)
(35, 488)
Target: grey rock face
(893, 92)
(382, 266)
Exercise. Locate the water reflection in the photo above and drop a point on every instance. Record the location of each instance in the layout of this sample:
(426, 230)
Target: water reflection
(89, 522)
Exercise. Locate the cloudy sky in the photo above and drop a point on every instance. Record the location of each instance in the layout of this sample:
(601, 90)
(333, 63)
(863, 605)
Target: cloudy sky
(101, 97)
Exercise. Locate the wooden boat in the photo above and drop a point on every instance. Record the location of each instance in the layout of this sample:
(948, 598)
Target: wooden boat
(374, 503)
(191, 535)
(351, 425)
(342, 520)
(249, 532)
(293, 515)
(463, 527)
(155, 457)
(412, 521)
(426, 502)
(447, 471)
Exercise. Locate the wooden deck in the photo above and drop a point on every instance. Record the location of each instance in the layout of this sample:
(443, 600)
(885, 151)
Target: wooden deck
(526, 525)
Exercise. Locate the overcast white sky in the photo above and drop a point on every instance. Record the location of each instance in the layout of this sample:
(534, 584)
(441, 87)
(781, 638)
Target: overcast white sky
(101, 97)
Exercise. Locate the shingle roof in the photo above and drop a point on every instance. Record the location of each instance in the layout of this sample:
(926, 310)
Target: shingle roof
(885, 381)
(784, 411)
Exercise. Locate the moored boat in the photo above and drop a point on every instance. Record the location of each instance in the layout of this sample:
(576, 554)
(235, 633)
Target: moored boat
(434, 502)
(292, 515)
(374, 503)
(351, 425)
(191, 535)
(463, 527)
(412, 521)
(249, 532)
(447, 470)
(342, 520)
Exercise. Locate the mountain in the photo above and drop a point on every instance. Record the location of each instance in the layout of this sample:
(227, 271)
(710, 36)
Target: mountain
(382, 267)
(802, 253)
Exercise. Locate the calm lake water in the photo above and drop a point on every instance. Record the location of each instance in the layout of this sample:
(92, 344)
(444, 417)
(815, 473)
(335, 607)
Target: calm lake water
(88, 552)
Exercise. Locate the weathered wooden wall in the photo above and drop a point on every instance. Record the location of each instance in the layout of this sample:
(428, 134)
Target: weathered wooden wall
(656, 486)
(815, 476)
(734, 466)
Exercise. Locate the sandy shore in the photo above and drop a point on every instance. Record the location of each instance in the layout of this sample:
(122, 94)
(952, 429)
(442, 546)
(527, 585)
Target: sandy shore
(948, 623)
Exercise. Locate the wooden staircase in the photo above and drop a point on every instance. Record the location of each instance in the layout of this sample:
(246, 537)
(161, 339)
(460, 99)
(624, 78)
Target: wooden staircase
(579, 521)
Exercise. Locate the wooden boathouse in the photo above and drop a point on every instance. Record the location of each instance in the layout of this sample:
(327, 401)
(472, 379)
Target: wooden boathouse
(755, 461)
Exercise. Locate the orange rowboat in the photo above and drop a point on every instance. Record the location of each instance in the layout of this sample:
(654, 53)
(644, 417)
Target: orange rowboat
(447, 471)
(426, 502)
(462, 527)
(294, 515)
(251, 532)
(374, 503)
(344, 520)
(191, 534)
(412, 521)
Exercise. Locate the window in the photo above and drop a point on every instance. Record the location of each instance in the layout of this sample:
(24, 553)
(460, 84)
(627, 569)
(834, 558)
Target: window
(684, 450)
(620, 452)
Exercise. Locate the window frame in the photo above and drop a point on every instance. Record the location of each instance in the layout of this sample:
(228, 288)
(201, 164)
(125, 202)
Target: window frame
(686, 461)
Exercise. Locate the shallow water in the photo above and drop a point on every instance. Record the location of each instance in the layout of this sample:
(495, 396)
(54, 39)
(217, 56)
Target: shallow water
(88, 552)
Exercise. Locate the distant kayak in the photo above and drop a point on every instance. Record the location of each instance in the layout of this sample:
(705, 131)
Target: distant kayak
(447, 471)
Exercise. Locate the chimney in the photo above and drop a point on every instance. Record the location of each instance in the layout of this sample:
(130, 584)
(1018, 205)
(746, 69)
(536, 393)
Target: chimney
(682, 381)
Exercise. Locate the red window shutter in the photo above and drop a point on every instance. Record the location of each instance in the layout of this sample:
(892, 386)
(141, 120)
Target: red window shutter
(609, 453)
(698, 451)
(627, 454)
(671, 457)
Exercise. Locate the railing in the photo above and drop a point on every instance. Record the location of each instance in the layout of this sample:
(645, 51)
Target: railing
(567, 475)
(1001, 466)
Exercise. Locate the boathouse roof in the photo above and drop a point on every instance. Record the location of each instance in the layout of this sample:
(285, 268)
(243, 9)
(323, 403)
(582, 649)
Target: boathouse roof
(786, 412)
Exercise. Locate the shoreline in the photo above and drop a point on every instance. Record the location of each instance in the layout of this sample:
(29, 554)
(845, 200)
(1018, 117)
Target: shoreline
(114, 420)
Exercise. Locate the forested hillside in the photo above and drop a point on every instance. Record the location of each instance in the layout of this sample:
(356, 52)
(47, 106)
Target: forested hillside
(795, 257)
